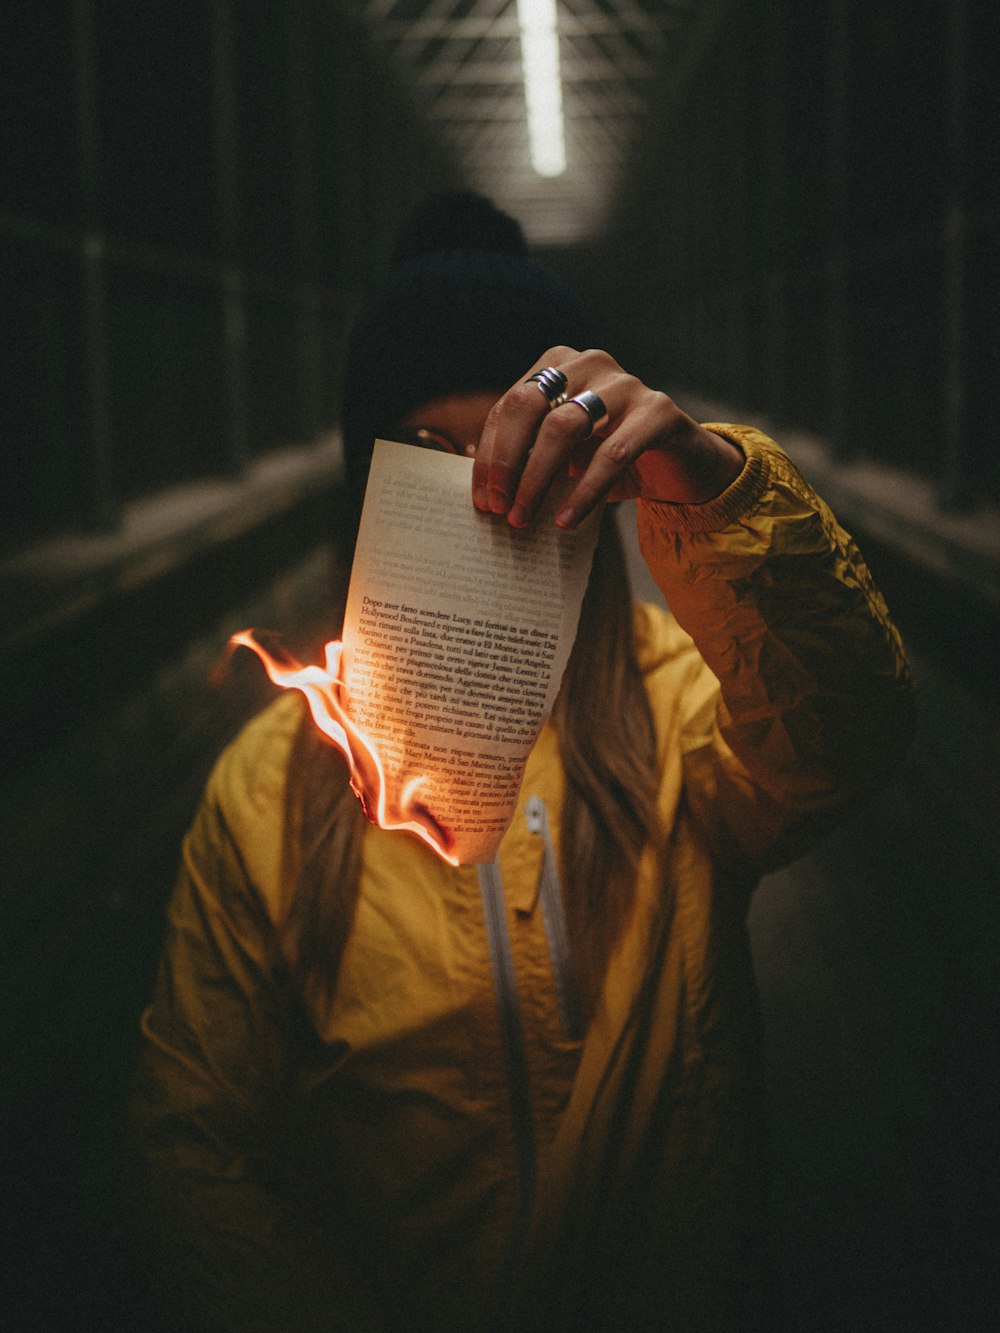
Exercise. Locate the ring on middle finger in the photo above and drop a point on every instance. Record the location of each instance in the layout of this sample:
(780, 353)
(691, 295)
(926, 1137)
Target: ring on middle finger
(593, 405)
(551, 383)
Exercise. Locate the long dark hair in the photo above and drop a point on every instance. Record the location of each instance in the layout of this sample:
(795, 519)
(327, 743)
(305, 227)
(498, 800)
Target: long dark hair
(608, 746)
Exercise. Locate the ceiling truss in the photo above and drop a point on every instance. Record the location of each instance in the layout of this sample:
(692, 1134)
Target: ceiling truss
(460, 62)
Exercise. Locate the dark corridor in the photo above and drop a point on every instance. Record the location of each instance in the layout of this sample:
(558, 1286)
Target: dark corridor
(787, 215)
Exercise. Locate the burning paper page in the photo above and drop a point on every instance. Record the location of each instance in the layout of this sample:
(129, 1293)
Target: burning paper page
(457, 633)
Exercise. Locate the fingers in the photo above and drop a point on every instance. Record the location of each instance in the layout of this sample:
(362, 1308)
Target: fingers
(645, 447)
(509, 435)
(561, 443)
(526, 447)
(526, 444)
(647, 423)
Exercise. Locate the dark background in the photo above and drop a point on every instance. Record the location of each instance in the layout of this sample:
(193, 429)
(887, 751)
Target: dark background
(193, 199)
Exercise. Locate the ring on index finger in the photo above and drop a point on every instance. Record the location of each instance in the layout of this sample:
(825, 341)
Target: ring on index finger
(551, 384)
(593, 405)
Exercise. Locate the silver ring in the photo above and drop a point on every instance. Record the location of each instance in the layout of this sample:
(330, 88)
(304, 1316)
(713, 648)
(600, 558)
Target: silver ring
(551, 384)
(594, 407)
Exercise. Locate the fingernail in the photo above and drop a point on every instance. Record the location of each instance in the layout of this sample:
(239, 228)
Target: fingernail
(517, 516)
(498, 502)
(565, 518)
(480, 497)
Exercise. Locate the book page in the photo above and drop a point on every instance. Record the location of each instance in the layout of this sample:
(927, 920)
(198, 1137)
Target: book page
(457, 633)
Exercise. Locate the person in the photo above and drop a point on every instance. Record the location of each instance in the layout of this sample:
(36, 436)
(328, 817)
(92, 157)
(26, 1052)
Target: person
(369, 1101)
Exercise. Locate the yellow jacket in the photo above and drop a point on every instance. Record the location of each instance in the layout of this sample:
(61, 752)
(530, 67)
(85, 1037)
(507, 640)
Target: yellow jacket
(416, 1154)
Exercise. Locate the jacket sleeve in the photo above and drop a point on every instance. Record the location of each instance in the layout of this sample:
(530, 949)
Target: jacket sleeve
(816, 705)
(204, 1179)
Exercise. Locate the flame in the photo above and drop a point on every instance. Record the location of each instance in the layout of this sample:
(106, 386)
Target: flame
(323, 689)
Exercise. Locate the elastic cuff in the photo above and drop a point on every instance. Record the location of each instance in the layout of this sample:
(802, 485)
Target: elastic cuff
(736, 500)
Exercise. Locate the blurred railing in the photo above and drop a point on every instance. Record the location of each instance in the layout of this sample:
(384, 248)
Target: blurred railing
(189, 206)
(817, 233)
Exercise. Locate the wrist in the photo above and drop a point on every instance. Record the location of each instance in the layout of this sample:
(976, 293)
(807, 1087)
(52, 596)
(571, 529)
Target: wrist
(694, 467)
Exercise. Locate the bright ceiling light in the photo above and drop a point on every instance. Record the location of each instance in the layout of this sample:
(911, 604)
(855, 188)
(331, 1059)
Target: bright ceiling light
(542, 85)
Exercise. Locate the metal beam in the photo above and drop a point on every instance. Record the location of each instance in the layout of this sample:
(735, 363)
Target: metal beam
(461, 65)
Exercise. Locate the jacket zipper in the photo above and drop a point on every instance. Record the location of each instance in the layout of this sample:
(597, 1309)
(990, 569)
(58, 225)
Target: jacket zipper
(554, 920)
(505, 984)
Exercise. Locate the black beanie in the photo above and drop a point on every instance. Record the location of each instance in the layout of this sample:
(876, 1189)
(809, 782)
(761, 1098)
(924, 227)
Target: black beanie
(463, 308)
